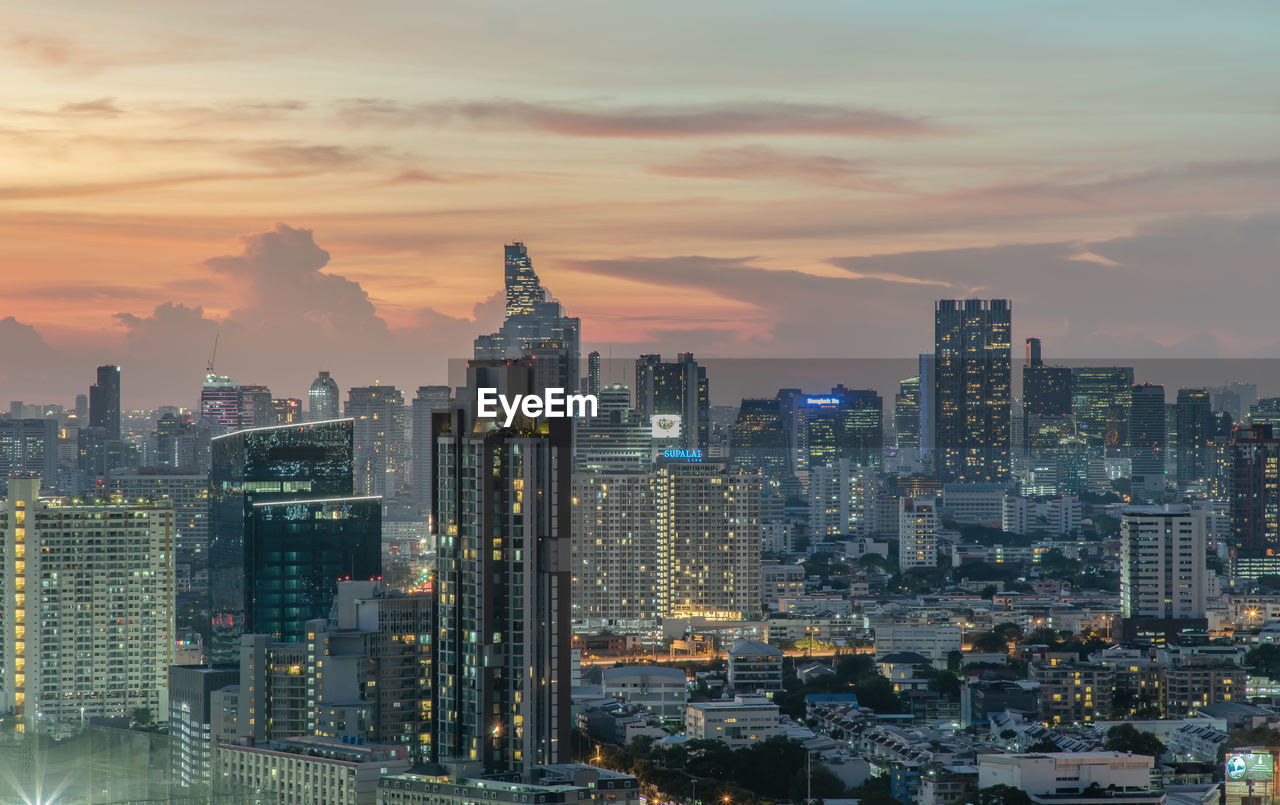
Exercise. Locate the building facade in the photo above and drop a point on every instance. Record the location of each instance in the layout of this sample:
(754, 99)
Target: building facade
(708, 521)
(615, 550)
(284, 527)
(1162, 563)
(503, 509)
(86, 609)
(972, 389)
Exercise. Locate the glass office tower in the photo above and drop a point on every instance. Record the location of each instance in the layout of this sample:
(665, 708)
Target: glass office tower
(284, 528)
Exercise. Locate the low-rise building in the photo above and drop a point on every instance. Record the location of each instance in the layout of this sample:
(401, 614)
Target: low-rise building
(1073, 778)
(1072, 691)
(1196, 742)
(661, 691)
(754, 666)
(1198, 684)
(565, 784)
(307, 770)
(934, 641)
(779, 581)
(737, 723)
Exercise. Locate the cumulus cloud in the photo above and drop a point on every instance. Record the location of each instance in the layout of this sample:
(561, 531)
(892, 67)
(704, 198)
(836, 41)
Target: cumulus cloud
(667, 121)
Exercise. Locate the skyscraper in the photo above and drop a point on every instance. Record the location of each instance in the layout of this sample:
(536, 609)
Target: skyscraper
(1162, 563)
(503, 511)
(1100, 400)
(428, 400)
(1147, 440)
(1046, 402)
(906, 413)
(845, 424)
(593, 372)
(708, 541)
(322, 398)
(677, 391)
(236, 406)
(760, 439)
(29, 446)
(104, 402)
(1196, 427)
(86, 608)
(928, 404)
(284, 527)
(972, 378)
(1253, 459)
(534, 321)
(381, 452)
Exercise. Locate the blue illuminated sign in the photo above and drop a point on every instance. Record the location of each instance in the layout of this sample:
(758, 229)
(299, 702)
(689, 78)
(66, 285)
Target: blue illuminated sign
(682, 455)
(822, 401)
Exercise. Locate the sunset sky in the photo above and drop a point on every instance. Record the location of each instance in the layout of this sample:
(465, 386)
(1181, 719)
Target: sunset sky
(329, 185)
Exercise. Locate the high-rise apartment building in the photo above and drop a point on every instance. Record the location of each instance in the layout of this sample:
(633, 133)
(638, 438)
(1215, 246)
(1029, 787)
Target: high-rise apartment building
(428, 400)
(1196, 428)
(972, 382)
(186, 490)
(841, 500)
(373, 668)
(1253, 472)
(86, 609)
(323, 398)
(104, 401)
(677, 391)
(1162, 563)
(1100, 400)
(1147, 435)
(381, 451)
(615, 550)
(918, 526)
(284, 527)
(503, 511)
(708, 541)
(29, 447)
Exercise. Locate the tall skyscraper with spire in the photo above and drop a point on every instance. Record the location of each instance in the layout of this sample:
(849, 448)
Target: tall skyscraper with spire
(535, 326)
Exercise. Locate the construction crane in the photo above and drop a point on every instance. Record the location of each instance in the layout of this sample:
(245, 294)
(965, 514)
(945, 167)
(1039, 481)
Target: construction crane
(214, 355)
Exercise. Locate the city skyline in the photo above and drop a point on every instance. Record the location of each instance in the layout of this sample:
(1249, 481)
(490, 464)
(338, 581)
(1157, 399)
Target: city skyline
(808, 191)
